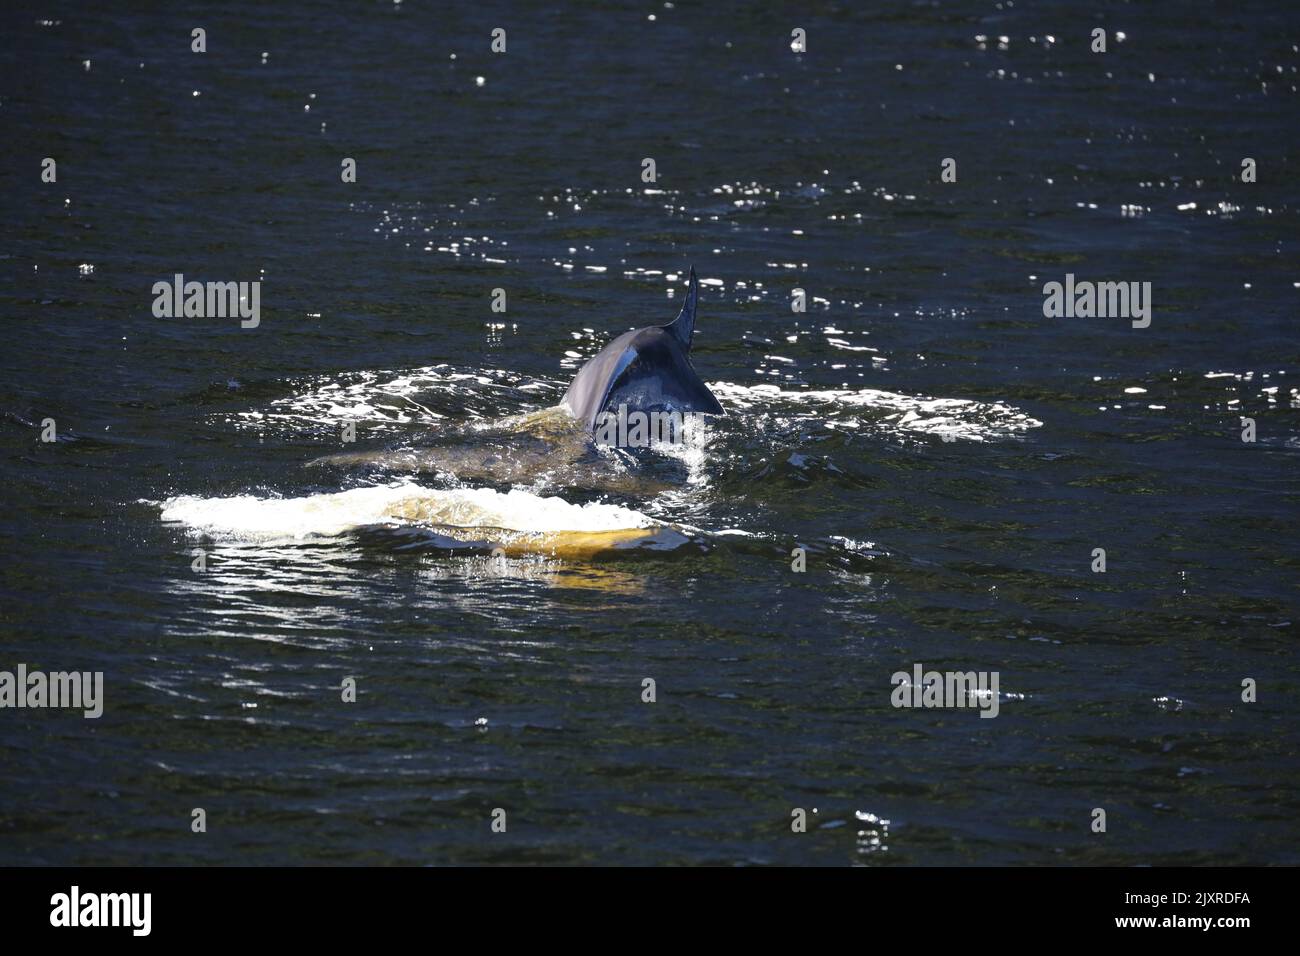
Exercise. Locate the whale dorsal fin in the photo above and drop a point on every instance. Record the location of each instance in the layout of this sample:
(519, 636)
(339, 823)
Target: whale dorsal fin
(683, 327)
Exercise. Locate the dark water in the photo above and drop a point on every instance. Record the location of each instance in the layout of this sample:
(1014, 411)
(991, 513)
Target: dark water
(486, 684)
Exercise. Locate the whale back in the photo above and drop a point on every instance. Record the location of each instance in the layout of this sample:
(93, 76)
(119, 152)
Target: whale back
(646, 369)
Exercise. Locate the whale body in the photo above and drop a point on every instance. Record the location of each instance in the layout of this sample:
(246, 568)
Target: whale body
(646, 370)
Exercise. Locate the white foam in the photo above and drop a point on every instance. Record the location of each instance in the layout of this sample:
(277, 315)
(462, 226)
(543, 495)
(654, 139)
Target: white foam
(250, 517)
(955, 418)
(380, 400)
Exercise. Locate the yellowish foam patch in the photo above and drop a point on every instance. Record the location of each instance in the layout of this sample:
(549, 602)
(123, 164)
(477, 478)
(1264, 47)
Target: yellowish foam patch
(573, 545)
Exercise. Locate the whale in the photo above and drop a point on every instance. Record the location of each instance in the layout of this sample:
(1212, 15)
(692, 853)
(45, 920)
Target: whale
(646, 370)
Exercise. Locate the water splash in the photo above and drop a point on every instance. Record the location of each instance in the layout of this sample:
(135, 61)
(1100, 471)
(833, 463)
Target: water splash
(948, 418)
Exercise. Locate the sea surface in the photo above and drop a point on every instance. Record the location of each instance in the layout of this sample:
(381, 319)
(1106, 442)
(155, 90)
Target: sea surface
(945, 460)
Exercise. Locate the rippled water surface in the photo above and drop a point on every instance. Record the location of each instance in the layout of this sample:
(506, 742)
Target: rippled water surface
(499, 589)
